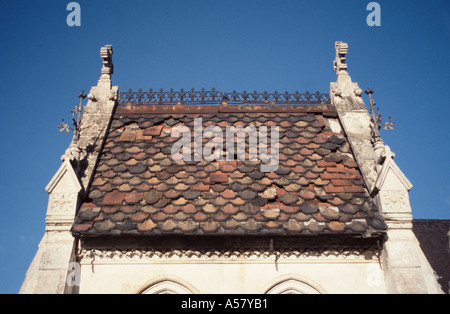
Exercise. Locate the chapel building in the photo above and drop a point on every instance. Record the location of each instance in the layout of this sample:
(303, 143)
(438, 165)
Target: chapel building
(313, 203)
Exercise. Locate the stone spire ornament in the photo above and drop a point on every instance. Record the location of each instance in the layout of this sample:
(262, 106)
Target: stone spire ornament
(339, 64)
(108, 67)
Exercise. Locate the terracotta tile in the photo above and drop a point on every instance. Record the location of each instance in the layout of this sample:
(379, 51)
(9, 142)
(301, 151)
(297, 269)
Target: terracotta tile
(311, 175)
(247, 194)
(147, 225)
(329, 176)
(200, 216)
(114, 198)
(283, 170)
(252, 226)
(302, 140)
(152, 197)
(285, 124)
(354, 189)
(218, 187)
(191, 195)
(210, 226)
(228, 194)
(139, 217)
(180, 201)
(129, 209)
(338, 168)
(99, 182)
(153, 131)
(159, 217)
(306, 152)
(110, 210)
(162, 187)
(171, 209)
(141, 137)
(289, 209)
(293, 226)
(83, 227)
(333, 189)
(237, 201)
(350, 163)
(270, 123)
(200, 187)
(210, 209)
(229, 209)
(336, 226)
(271, 214)
(172, 194)
(127, 136)
(272, 175)
(188, 226)
(230, 224)
(338, 182)
(218, 177)
(181, 187)
(117, 150)
(307, 195)
(289, 198)
(169, 226)
(133, 198)
(189, 209)
(298, 157)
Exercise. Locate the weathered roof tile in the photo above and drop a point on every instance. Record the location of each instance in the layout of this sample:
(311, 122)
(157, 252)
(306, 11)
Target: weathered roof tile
(139, 189)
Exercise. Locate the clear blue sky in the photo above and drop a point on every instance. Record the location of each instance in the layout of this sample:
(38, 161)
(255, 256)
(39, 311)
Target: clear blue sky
(243, 45)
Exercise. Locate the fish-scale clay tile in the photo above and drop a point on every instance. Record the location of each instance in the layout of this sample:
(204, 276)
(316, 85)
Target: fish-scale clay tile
(139, 189)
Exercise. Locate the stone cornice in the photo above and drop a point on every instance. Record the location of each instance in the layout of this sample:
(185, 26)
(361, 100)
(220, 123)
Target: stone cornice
(257, 254)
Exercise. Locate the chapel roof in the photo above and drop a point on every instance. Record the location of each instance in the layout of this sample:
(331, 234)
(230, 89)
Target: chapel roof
(138, 189)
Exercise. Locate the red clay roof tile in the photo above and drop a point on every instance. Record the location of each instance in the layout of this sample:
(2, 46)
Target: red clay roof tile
(139, 188)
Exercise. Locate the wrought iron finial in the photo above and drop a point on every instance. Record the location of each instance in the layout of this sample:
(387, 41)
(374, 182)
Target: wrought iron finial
(376, 120)
(82, 95)
(77, 113)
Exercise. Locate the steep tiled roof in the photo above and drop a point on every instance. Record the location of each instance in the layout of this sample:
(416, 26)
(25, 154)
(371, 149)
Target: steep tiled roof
(434, 242)
(138, 189)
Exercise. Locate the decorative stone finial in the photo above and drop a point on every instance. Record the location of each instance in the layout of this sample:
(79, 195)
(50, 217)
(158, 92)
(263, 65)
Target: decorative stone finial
(108, 67)
(72, 153)
(339, 64)
(104, 90)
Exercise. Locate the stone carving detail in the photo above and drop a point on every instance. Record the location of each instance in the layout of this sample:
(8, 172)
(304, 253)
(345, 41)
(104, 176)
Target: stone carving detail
(339, 64)
(357, 90)
(106, 54)
(62, 203)
(226, 255)
(395, 201)
(336, 90)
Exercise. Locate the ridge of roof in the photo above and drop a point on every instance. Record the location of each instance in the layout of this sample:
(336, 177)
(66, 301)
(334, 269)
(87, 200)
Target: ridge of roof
(222, 108)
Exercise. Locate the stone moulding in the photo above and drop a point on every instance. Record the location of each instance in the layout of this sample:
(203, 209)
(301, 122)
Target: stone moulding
(368, 254)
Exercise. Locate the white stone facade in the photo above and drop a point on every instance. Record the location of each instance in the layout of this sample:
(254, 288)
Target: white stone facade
(231, 272)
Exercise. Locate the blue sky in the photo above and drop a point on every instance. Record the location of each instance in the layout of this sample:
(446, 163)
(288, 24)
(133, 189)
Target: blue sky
(243, 45)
